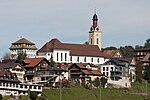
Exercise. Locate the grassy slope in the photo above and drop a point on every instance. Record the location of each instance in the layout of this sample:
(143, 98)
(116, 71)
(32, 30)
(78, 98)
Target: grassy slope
(80, 93)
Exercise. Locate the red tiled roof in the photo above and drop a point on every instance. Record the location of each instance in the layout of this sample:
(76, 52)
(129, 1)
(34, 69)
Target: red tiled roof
(75, 49)
(32, 62)
(96, 72)
(86, 72)
(22, 41)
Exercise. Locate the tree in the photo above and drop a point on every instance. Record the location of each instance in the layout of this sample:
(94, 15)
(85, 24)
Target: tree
(52, 62)
(6, 56)
(86, 43)
(33, 95)
(127, 51)
(1, 97)
(139, 71)
(147, 72)
(103, 81)
(96, 82)
(110, 48)
(21, 56)
(147, 43)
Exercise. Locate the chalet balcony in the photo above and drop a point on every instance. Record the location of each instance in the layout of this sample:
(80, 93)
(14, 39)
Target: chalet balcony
(30, 73)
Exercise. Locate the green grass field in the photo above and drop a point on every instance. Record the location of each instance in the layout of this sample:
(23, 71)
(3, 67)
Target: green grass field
(80, 93)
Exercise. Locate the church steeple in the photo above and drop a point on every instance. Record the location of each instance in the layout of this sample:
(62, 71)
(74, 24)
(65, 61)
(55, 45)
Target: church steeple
(95, 33)
(95, 19)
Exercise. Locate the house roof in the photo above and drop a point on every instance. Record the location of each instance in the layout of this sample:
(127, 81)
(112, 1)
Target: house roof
(23, 44)
(146, 58)
(111, 53)
(117, 61)
(32, 62)
(23, 41)
(75, 49)
(7, 64)
(86, 72)
(143, 49)
(96, 72)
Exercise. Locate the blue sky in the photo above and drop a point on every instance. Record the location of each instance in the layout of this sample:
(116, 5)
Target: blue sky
(122, 22)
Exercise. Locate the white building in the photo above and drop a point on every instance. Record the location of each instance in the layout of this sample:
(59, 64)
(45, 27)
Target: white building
(23, 45)
(117, 71)
(10, 85)
(71, 53)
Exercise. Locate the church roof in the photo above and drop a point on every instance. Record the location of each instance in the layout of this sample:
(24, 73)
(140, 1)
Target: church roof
(75, 49)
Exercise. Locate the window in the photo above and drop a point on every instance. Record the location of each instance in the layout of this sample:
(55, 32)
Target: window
(70, 58)
(98, 60)
(61, 56)
(97, 41)
(78, 59)
(112, 68)
(57, 56)
(84, 59)
(91, 59)
(103, 73)
(65, 56)
(103, 68)
(106, 73)
(106, 68)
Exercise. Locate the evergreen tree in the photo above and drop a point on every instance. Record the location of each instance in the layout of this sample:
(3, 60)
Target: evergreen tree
(52, 62)
(147, 43)
(103, 81)
(21, 56)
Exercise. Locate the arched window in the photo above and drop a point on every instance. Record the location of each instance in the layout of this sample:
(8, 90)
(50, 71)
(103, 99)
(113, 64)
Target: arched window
(91, 40)
(97, 41)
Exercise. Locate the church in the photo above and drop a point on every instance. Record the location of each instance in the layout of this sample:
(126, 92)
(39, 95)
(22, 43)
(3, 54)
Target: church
(76, 53)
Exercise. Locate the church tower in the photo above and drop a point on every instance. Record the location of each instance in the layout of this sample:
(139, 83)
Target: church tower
(95, 33)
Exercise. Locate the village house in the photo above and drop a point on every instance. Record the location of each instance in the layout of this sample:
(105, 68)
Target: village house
(10, 85)
(81, 73)
(14, 67)
(118, 72)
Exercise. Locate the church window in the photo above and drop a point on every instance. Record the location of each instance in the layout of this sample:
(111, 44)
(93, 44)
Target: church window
(98, 60)
(97, 41)
(78, 59)
(61, 56)
(85, 59)
(91, 59)
(91, 40)
(57, 56)
(65, 56)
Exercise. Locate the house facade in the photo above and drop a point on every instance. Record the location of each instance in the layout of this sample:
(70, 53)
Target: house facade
(83, 73)
(10, 85)
(117, 72)
(141, 53)
(14, 67)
